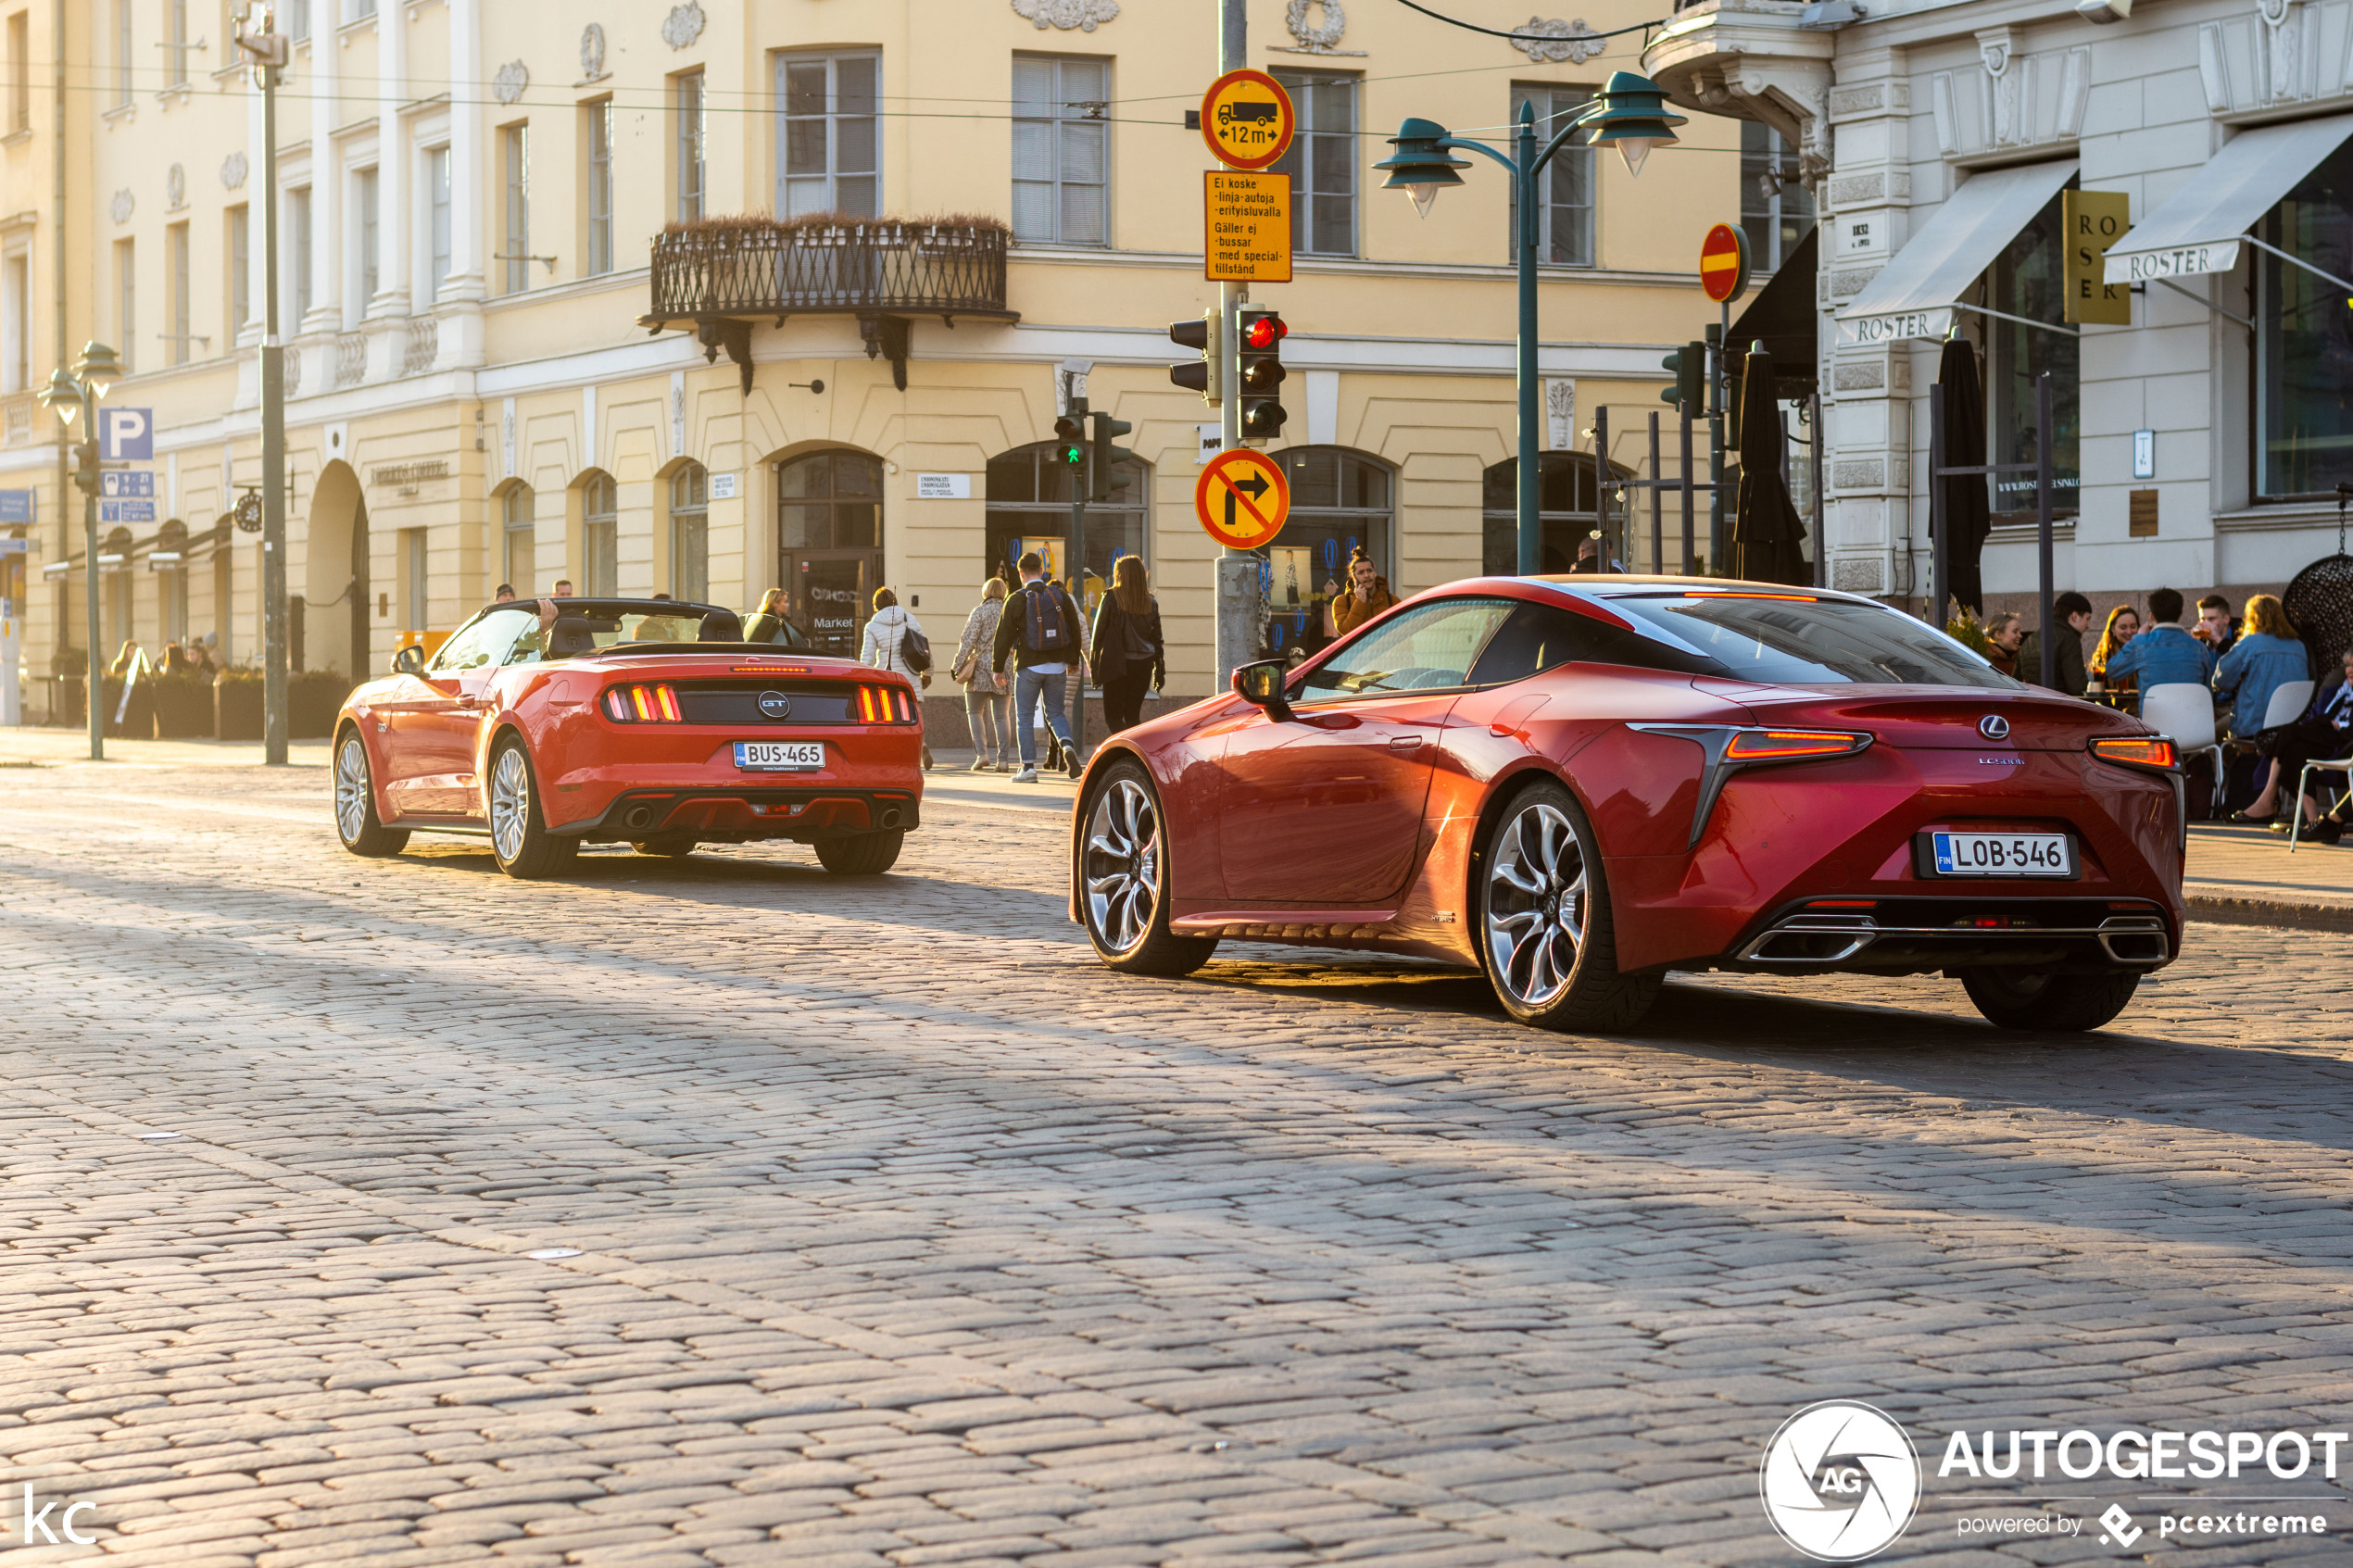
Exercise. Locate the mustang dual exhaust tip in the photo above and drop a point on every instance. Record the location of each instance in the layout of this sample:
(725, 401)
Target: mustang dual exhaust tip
(639, 817)
(890, 816)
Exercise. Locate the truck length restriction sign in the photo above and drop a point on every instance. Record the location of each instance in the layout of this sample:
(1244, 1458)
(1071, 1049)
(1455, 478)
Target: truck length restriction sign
(1243, 498)
(1723, 263)
(1247, 118)
(1245, 227)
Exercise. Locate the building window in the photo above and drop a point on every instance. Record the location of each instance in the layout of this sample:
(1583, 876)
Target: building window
(515, 142)
(2030, 279)
(240, 268)
(1062, 151)
(298, 29)
(1565, 221)
(363, 9)
(520, 559)
(298, 235)
(413, 601)
(2304, 345)
(175, 243)
(827, 151)
(600, 193)
(1776, 210)
(175, 49)
(436, 221)
(123, 72)
(599, 537)
(15, 323)
(1029, 510)
(1567, 504)
(21, 71)
(363, 200)
(690, 533)
(691, 130)
(1321, 163)
(1340, 500)
(126, 301)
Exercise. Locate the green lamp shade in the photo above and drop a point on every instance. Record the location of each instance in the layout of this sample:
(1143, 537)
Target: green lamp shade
(1631, 115)
(1419, 160)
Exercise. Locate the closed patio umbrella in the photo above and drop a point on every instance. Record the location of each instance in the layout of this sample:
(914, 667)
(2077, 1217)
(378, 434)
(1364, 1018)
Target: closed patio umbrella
(1767, 537)
(1964, 514)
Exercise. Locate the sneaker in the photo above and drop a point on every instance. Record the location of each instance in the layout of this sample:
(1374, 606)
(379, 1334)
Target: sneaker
(983, 765)
(1071, 760)
(1027, 775)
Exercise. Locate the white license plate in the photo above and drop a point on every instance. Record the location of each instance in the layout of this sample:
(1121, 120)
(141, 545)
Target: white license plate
(780, 756)
(2003, 854)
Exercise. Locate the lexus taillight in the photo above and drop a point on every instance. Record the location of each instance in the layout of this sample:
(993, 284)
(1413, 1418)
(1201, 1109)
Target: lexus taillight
(642, 704)
(1792, 745)
(883, 704)
(2137, 751)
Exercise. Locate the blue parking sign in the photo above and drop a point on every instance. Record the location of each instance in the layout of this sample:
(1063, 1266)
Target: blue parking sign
(126, 484)
(127, 435)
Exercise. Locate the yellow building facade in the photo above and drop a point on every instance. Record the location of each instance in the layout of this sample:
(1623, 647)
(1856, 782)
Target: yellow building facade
(520, 333)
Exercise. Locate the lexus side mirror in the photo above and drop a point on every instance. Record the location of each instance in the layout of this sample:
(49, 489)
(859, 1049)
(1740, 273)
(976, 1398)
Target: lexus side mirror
(410, 660)
(1263, 683)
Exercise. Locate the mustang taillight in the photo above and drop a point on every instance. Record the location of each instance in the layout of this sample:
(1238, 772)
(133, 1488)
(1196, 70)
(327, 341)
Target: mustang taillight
(642, 704)
(2137, 751)
(883, 704)
(1792, 745)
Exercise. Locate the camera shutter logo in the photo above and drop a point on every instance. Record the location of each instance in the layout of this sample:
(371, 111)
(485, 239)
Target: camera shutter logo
(1840, 1481)
(1994, 727)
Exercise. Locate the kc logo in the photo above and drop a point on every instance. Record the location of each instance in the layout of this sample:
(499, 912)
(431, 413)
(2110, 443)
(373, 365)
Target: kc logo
(38, 1529)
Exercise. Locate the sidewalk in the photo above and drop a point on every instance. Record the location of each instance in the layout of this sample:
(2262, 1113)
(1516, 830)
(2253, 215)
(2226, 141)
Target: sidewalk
(30, 746)
(2245, 876)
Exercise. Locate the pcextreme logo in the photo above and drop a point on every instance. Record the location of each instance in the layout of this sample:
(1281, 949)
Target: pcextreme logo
(1840, 1480)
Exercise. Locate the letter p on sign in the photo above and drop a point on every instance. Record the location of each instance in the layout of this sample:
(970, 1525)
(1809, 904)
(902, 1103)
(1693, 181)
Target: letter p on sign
(127, 435)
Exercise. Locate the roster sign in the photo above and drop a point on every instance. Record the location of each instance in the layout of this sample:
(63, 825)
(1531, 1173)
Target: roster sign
(1246, 227)
(2095, 220)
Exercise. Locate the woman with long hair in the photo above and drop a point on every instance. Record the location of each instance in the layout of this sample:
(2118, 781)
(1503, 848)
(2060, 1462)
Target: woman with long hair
(984, 689)
(2124, 625)
(1129, 651)
(2267, 657)
(885, 646)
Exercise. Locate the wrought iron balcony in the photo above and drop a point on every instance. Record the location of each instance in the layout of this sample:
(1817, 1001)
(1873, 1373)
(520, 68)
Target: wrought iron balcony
(721, 275)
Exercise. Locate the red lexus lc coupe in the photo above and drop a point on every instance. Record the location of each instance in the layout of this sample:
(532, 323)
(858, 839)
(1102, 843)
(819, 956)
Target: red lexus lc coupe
(1578, 784)
(645, 720)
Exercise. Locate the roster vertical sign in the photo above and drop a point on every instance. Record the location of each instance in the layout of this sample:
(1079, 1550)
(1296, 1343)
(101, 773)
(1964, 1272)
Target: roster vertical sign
(2094, 220)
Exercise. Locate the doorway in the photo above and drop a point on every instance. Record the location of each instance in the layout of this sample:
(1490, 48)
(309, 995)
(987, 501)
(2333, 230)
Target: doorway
(829, 531)
(830, 590)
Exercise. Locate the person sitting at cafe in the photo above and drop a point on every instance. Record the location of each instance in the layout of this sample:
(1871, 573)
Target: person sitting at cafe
(2002, 642)
(2165, 655)
(2124, 625)
(2074, 612)
(2268, 655)
(762, 624)
(2215, 628)
(2323, 731)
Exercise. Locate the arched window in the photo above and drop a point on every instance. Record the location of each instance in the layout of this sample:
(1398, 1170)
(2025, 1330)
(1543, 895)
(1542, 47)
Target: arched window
(599, 537)
(690, 533)
(1341, 500)
(1567, 504)
(829, 531)
(519, 561)
(172, 579)
(1029, 510)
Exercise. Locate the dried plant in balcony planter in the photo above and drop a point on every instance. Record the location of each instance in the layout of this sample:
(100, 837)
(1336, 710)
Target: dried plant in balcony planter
(738, 226)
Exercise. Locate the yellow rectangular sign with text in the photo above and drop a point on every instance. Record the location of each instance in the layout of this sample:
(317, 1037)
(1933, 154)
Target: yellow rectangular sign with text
(2095, 220)
(1245, 227)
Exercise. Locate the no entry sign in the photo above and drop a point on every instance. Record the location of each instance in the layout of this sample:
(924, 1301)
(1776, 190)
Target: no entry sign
(1723, 263)
(1242, 499)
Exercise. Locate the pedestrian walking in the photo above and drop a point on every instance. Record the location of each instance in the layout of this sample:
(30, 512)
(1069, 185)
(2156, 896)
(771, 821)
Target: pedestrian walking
(1041, 629)
(1129, 652)
(985, 686)
(895, 641)
(1366, 597)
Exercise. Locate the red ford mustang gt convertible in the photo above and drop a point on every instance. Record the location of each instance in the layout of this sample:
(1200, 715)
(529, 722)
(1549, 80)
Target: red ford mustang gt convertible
(1578, 784)
(648, 721)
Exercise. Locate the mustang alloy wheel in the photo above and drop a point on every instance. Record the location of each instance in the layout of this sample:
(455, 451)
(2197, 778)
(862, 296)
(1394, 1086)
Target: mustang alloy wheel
(356, 822)
(1123, 880)
(1545, 926)
(519, 836)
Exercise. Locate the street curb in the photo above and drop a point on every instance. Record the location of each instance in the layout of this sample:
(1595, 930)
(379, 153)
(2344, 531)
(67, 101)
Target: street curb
(2268, 912)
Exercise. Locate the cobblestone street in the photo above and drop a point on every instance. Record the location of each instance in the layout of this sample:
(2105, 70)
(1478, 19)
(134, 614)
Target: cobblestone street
(721, 1211)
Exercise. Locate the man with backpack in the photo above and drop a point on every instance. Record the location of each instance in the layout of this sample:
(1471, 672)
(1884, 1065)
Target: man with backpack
(1040, 628)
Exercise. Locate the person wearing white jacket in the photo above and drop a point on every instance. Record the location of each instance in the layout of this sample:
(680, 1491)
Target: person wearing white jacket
(885, 646)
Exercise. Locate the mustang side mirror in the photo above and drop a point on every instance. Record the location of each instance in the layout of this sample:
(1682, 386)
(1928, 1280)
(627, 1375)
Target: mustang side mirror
(410, 660)
(1263, 683)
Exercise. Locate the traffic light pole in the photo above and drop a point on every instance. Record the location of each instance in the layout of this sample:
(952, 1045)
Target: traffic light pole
(1078, 577)
(274, 445)
(1241, 611)
(1718, 385)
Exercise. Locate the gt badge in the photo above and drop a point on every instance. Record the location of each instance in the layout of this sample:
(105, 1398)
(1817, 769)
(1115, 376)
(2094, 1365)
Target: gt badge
(774, 705)
(1994, 727)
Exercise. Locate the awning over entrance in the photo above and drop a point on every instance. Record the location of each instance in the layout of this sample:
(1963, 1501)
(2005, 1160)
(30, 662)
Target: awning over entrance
(1914, 296)
(2197, 228)
(1782, 316)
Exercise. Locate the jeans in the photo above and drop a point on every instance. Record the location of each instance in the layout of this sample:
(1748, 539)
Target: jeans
(984, 714)
(1028, 687)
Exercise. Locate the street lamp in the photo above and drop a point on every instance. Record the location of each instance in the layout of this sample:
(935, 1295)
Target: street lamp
(73, 395)
(1630, 114)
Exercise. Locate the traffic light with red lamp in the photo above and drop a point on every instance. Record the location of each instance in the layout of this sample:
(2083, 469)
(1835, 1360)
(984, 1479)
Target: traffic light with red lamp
(1262, 333)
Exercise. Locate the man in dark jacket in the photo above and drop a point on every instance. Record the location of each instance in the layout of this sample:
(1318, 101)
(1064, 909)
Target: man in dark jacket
(2074, 612)
(1041, 629)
